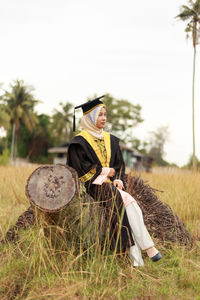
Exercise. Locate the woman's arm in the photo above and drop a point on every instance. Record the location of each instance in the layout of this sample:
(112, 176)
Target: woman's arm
(78, 159)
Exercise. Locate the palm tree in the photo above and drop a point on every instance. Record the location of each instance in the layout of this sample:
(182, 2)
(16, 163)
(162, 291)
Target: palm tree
(191, 14)
(20, 104)
(4, 117)
(62, 122)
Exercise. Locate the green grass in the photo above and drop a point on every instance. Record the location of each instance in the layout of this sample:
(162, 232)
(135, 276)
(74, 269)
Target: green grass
(33, 268)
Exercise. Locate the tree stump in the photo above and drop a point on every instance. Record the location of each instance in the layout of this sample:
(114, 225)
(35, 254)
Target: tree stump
(50, 188)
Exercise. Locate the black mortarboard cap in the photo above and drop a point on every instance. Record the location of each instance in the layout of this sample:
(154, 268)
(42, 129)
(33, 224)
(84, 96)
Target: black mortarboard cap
(87, 107)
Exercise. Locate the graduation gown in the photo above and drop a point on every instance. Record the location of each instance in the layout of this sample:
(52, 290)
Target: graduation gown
(83, 157)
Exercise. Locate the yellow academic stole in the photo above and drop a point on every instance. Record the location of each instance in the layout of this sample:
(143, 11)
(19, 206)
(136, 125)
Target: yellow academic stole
(90, 139)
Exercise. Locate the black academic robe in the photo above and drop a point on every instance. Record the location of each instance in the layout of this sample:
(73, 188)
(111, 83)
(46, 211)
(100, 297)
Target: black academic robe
(83, 158)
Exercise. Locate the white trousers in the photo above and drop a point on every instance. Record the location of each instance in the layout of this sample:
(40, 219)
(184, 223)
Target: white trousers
(140, 233)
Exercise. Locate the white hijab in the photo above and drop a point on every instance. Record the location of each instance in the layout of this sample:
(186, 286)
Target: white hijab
(88, 122)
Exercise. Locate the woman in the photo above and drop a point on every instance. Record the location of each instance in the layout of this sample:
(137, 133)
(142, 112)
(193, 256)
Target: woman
(96, 156)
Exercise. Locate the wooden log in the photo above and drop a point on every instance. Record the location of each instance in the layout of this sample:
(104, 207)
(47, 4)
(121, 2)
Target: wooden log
(51, 187)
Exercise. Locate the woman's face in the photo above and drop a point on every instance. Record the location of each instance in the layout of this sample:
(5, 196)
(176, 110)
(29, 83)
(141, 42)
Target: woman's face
(101, 120)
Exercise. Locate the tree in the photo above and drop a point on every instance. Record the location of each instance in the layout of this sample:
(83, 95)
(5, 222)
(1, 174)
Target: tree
(4, 117)
(62, 123)
(157, 142)
(34, 145)
(40, 140)
(20, 105)
(191, 14)
(190, 161)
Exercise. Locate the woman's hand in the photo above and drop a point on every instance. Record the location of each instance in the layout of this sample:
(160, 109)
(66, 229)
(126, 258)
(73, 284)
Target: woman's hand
(111, 173)
(118, 183)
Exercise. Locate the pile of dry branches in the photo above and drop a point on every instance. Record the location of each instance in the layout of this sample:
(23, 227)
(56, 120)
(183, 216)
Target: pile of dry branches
(159, 218)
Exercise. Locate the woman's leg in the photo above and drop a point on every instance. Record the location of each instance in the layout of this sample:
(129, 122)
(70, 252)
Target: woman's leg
(138, 227)
(140, 233)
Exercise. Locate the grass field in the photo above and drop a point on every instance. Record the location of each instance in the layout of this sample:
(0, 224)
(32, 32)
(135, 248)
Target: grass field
(33, 268)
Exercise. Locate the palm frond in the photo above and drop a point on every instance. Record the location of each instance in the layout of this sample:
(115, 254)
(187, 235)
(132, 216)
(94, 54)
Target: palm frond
(186, 13)
(191, 13)
(4, 118)
(197, 6)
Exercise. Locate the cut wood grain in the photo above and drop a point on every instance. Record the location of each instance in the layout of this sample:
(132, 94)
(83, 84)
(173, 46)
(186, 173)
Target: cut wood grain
(51, 187)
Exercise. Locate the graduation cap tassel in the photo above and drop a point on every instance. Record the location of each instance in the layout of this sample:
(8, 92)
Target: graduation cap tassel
(74, 122)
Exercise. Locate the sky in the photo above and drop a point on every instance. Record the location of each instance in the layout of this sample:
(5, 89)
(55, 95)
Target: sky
(69, 50)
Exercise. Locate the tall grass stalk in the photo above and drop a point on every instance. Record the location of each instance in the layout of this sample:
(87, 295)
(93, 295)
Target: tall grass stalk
(49, 262)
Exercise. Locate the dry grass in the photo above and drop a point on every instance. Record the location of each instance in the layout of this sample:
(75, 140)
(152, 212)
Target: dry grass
(12, 193)
(34, 269)
(181, 192)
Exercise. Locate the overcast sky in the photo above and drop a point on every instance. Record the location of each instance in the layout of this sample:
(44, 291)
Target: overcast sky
(136, 50)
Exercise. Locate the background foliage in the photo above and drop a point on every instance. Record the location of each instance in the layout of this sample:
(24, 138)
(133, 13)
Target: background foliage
(29, 134)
